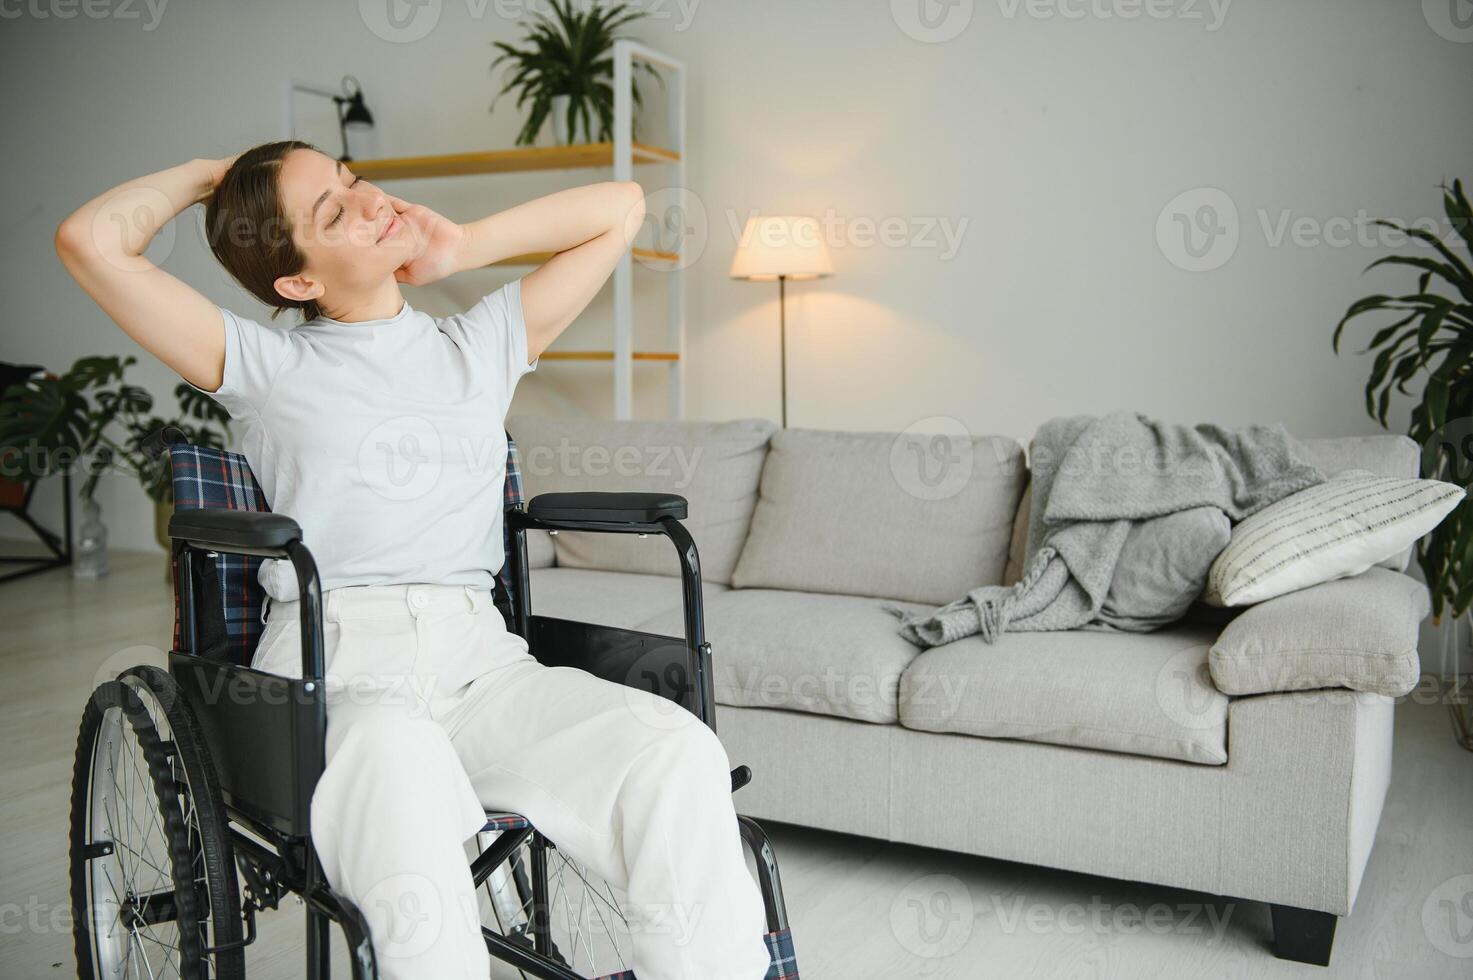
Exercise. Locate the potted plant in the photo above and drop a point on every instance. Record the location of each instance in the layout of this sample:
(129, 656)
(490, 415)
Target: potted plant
(91, 416)
(1432, 336)
(566, 72)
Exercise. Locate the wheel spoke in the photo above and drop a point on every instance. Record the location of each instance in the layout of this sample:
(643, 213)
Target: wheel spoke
(579, 870)
(138, 945)
(130, 874)
(142, 860)
(170, 950)
(577, 923)
(118, 899)
(148, 933)
(144, 781)
(571, 919)
(130, 795)
(562, 893)
(112, 816)
(613, 933)
(591, 890)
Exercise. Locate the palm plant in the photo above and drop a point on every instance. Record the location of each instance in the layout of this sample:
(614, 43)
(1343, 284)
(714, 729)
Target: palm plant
(1433, 335)
(569, 54)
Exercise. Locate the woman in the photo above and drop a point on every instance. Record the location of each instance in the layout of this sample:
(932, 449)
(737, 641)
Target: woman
(380, 429)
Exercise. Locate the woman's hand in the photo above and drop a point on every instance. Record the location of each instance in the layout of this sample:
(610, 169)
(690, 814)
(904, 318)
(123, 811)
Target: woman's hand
(214, 172)
(436, 249)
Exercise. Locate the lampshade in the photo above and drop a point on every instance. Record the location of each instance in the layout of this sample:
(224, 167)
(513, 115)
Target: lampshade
(784, 244)
(357, 113)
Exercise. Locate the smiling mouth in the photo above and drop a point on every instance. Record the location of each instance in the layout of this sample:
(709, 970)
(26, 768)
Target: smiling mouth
(390, 228)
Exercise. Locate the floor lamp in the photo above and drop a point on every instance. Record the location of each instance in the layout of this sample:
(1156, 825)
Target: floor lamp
(781, 247)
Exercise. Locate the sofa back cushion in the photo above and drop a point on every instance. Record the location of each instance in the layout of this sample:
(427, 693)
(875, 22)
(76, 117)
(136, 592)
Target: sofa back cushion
(540, 550)
(1382, 455)
(713, 465)
(911, 516)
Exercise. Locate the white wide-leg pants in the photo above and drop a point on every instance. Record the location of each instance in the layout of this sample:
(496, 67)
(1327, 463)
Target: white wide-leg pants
(437, 712)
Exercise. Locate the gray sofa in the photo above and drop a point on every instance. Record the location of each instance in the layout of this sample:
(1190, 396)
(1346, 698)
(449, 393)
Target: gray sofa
(1101, 752)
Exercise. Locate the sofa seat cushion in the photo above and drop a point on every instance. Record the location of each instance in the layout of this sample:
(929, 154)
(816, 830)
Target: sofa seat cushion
(622, 599)
(1139, 693)
(803, 651)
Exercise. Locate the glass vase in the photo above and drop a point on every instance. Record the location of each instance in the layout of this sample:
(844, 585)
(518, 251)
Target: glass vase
(91, 554)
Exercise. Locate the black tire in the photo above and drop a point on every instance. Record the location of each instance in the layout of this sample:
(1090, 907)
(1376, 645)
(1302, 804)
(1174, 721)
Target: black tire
(213, 853)
(174, 836)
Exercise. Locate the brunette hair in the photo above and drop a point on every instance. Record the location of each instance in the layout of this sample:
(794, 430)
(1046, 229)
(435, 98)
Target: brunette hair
(248, 228)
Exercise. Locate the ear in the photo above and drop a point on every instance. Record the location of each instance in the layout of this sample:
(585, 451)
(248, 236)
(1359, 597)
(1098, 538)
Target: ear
(299, 287)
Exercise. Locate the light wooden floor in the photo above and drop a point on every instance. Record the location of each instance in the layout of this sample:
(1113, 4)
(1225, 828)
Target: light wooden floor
(860, 908)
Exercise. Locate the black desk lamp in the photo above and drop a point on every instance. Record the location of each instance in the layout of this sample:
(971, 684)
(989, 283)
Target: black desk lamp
(353, 114)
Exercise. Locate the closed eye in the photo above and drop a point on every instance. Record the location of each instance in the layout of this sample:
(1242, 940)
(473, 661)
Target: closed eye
(341, 211)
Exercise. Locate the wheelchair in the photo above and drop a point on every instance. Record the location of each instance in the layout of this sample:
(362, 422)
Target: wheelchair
(192, 786)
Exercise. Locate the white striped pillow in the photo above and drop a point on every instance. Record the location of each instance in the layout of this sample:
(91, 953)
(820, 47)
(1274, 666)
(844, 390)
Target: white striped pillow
(1332, 530)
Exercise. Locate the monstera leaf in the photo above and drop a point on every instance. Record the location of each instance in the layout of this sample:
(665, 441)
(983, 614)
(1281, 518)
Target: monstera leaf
(45, 424)
(51, 425)
(198, 405)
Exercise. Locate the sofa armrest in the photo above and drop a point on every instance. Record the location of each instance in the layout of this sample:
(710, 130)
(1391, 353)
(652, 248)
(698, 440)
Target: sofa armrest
(1359, 633)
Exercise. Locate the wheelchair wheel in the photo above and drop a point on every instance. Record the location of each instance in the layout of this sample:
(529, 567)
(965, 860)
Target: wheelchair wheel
(154, 892)
(587, 930)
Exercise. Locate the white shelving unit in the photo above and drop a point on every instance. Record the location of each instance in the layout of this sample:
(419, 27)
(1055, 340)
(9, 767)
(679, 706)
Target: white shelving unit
(623, 154)
(625, 54)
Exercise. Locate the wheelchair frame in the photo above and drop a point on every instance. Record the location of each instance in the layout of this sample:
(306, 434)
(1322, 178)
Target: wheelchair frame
(266, 733)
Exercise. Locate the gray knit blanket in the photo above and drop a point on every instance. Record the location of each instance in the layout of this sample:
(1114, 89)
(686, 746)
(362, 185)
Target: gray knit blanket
(1093, 477)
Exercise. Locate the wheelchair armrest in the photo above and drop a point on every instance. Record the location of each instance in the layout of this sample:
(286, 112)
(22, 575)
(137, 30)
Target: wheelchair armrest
(238, 531)
(603, 505)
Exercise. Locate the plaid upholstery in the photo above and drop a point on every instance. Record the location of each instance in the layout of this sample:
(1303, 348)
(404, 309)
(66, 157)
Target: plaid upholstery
(784, 960)
(779, 946)
(205, 477)
(504, 820)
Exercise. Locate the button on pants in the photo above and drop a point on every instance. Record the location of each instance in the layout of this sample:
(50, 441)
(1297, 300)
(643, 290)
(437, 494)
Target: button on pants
(437, 712)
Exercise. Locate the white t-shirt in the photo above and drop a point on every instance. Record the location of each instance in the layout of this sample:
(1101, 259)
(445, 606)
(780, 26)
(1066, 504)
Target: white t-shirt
(384, 439)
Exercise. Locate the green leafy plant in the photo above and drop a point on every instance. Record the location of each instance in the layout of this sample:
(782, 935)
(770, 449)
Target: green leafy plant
(90, 415)
(1432, 335)
(569, 53)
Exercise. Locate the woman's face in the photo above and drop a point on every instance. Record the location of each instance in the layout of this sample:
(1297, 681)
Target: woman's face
(345, 226)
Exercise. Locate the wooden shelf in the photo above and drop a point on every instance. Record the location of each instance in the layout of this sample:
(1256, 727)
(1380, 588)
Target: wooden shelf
(519, 160)
(647, 254)
(608, 355)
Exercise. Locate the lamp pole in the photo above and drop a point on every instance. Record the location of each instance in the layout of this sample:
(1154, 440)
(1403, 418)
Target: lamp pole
(781, 247)
(782, 327)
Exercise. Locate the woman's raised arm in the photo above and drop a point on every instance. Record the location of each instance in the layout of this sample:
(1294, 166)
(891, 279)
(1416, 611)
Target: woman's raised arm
(589, 228)
(102, 244)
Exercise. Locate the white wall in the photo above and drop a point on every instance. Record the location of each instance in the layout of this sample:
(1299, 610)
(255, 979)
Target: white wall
(1052, 141)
